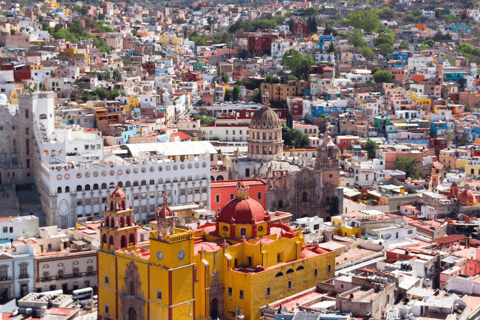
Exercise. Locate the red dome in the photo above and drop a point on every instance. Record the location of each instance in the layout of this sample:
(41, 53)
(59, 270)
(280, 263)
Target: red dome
(117, 193)
(467, 196)
(244, 211)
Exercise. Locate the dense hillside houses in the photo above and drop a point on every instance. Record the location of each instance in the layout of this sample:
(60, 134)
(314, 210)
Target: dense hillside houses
(259, 160)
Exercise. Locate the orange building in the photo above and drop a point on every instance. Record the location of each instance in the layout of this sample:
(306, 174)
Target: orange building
(222, 192)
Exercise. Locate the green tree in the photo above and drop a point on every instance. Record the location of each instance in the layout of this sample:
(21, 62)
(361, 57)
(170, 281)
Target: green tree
(228, 95)
(367, 52)
(12, 31)
(383, 76)
(82, 85)
(376, 69)
(405, 45)
(294, 137)
(271, 79)
(329, 30)
(101, 93)
(386, 48)
(365, 20)
(371, 147)
(206, 121)
(407, 165)
(298, 63)
(117, 75)
(355, 38)
(334, 209)
(331, 49)
(225, 77)
(236, 93)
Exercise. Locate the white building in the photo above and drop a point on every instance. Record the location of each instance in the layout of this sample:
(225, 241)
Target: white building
(16, 271)
(179, 170)
(279, 47)
(428, 14)
(13, 227)
(226, 132)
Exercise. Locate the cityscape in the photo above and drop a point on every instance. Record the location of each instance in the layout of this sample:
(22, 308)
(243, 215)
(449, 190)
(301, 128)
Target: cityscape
(240, 160)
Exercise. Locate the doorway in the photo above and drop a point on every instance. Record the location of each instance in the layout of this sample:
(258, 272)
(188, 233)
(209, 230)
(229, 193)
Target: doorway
(214, 309)
(3, 295)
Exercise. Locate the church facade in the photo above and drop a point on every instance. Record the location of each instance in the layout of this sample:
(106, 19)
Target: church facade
(292, 185)
(231, 267)
(309, 192)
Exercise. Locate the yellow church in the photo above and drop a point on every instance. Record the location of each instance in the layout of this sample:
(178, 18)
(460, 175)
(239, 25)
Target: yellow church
(229, 267)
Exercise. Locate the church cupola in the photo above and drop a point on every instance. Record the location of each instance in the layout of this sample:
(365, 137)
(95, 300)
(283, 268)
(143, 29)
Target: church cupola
(242, 217)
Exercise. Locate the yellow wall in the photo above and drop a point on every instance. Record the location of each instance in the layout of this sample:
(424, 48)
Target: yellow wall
(181, 293)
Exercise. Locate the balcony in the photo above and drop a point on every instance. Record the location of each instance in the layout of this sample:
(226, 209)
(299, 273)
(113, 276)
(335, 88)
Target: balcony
(68, 276)
(5, 279)
(24, 276)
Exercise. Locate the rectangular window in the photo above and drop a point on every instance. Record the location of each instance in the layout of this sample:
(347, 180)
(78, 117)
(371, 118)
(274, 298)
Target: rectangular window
(28, 163)
(27, 145)
(329, 268)
(87, 283)
(241, 294)
(5, 229)
(232, 196)
(259, 196)
(279, 257)
(315, 273)
(11, 229)
(26, 114)
(106, 279)
(217, 198)
(289, 284)
(268, 292)
(230, 291)
(107, 310)
(159, 295)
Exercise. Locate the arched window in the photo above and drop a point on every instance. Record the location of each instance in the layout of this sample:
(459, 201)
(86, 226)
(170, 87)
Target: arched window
(87, 187)
(123, 242)
(143, 183)
(127, 184)
(289, 271)
(132, 314)
(79, 188)
(300, 268)
(95, 186)
(67, 189)
(111, 238)
(135, 183)
(129, 221)
(104, 238)
(111, 185)
(122, 222)
(132, 239)
(152, 182)
(160, 181)
(120, 184)
(278, 275)
(220, 178)
(107, 222)
(212, 178)
(59, 190)
(132, 288)
(304, 197)
(264, 136)
(104, 186)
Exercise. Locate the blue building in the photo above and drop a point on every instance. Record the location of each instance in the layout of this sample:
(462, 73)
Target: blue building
(400, 57)
(318, 110)
(322, 39)
(438, 127)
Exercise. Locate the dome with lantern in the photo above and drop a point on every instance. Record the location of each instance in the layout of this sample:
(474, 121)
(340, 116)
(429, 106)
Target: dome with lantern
(242, 217)
(265, 135)
(467, 196)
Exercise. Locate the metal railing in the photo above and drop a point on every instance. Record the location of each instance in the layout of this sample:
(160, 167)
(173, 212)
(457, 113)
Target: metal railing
(67, 276)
